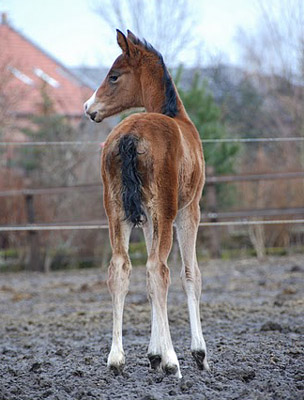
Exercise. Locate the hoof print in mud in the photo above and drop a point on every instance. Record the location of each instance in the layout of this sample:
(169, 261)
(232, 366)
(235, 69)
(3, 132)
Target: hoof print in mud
(199, 357)
(155, 360)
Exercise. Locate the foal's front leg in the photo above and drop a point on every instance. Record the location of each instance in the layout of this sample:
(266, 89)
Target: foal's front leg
(118, 284)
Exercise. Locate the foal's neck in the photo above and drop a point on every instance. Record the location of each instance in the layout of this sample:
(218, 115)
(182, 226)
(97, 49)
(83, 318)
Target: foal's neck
(162, 97)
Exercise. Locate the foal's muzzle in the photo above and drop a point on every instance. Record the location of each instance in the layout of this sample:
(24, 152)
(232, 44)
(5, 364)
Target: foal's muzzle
(92, 115)
(90, 109)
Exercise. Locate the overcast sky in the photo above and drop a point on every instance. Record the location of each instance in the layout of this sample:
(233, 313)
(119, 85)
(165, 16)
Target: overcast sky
(75, 35)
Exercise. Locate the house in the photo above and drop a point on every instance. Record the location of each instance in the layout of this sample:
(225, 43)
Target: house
(34, 83)
(30, 77)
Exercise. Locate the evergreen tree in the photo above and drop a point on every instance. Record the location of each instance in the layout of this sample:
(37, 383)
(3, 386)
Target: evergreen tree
(206, 116)
(44, 164)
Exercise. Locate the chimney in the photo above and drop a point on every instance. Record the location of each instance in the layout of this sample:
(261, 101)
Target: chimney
(4, 20)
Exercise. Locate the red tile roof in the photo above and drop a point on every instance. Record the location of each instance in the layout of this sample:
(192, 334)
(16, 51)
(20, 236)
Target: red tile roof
(28, 69)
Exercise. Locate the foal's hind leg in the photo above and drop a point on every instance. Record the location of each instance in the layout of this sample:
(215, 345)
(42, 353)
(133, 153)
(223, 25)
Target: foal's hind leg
(118, 284)
(187, 222)
(154, 353)
(161, 352)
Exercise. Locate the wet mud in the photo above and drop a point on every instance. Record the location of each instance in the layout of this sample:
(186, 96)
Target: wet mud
(55, 335)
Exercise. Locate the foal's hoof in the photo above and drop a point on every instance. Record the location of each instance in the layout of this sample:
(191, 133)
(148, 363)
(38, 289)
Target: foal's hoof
(170, 364)
(155, 360)
(116, 369)
(170, 369)
(116, 362)
(200, 358)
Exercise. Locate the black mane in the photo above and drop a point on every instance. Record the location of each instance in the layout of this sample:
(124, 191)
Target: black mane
(170, 106)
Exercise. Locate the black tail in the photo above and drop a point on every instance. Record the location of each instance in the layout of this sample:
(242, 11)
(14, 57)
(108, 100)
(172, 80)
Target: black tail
(131, 180)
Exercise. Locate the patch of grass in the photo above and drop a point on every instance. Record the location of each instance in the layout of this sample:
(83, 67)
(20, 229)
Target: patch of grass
(138, 253)
(230, 254)
(11, 267)
(247, 252)
(9, 253)
(276, 251)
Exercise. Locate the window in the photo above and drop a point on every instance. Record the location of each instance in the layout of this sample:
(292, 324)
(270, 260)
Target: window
(47, 78)
(22, 77)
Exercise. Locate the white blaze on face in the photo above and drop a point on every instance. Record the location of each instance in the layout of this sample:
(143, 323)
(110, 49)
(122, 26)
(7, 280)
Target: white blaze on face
(89, 102)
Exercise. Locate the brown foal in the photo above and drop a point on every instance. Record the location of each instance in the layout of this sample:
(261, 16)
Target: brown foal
(153, 174)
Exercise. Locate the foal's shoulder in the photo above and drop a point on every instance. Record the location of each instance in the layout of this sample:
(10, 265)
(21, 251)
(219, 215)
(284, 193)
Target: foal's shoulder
(148, 119)
(145, 125)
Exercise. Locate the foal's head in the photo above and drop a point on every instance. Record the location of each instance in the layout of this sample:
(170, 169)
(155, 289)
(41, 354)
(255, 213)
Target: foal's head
(138, 78)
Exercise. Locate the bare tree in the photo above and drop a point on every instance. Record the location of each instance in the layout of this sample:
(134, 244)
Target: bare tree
(278, 45)
(168, 24)
(274, 55)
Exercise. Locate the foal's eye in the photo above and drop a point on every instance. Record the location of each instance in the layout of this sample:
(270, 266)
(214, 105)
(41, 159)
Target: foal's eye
(113, 78)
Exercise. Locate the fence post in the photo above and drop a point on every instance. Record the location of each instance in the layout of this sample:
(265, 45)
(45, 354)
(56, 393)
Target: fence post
(34, 258)
(214, 232)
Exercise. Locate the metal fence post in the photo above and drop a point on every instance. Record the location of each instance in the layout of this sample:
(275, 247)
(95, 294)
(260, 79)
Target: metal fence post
(214, 232)
(34, 257)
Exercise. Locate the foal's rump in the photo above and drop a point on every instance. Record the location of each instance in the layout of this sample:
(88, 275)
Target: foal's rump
(142, 158)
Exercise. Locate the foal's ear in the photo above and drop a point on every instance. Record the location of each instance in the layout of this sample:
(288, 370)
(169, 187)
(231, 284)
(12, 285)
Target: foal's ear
(132, 37)
(123, 42)
(127, 47)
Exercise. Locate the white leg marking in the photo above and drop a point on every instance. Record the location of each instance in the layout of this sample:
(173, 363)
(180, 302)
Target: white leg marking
(160, 343)
(118, 283)
(186, 224)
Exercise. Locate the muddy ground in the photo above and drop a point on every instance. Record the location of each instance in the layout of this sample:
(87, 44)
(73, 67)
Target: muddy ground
(55, 334)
